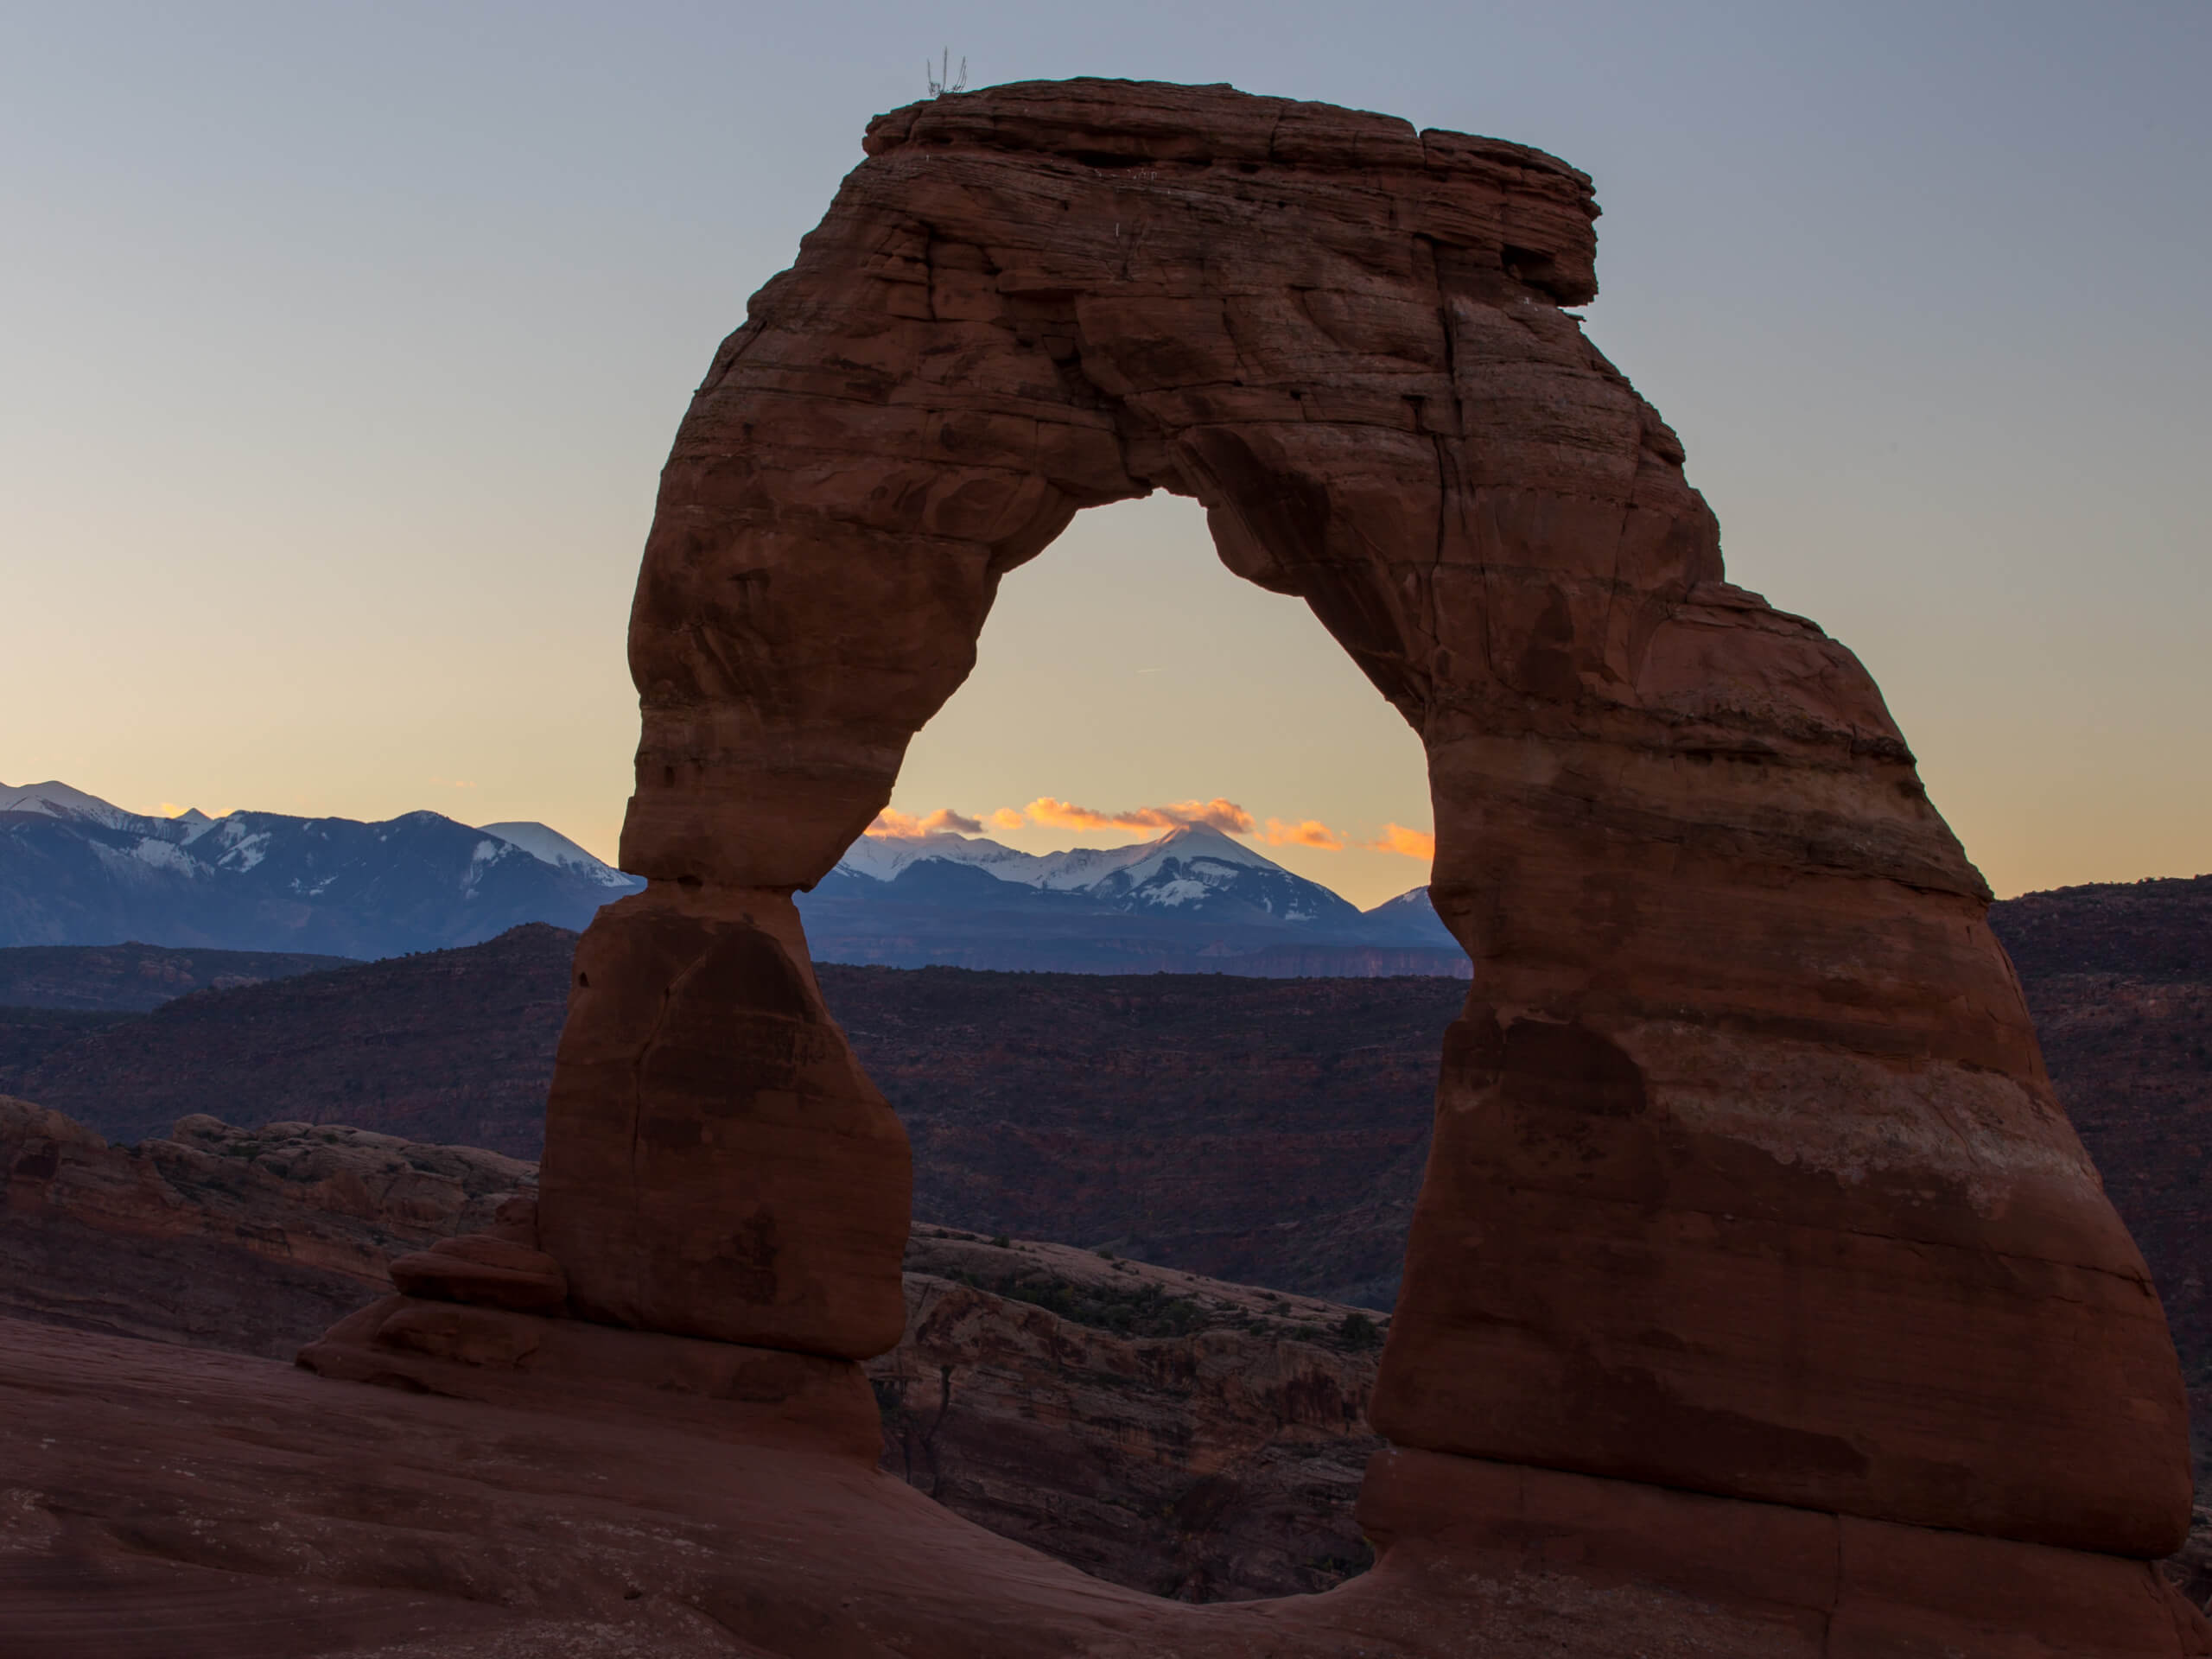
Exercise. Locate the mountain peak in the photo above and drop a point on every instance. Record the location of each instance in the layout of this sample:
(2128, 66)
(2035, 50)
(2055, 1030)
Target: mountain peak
(1198, 832)
(548, 846)
(1413, 900)
(56, 799)
(1206, 840)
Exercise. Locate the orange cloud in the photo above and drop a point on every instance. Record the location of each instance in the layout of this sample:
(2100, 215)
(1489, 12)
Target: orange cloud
(900, 826)
(1396, 838)
(1225, 815)
(1007, 818)
(1309, 833)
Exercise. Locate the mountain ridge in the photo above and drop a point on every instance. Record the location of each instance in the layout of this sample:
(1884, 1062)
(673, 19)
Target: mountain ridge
(1191, 900)
(80, 870)
(77, 870)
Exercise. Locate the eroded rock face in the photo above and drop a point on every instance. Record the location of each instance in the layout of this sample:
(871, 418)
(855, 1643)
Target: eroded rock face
(1747, 1180)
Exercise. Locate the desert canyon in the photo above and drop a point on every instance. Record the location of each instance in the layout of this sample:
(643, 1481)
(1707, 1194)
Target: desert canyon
(1760, 1300)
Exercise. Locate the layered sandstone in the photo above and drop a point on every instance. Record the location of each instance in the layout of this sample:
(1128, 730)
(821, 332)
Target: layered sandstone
(1746, 1181)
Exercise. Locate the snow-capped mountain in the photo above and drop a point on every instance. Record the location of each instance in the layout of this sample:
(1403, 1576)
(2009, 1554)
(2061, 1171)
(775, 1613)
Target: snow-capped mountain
(58, 800)
(1194, 870)
(75, 870)
(1194, 900)
(548, 846)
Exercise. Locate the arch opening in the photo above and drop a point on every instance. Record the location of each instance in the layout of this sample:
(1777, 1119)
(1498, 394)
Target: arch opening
(1044, 662)
(1264, 1134)
(1125, 670)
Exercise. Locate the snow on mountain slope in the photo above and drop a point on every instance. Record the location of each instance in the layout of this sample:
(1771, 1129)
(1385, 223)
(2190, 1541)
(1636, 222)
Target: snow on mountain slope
(1072, 871)
(884, 858)
(58, 800)
(548, 846)
(78, 870)
(1193, 870)
(1198, 869)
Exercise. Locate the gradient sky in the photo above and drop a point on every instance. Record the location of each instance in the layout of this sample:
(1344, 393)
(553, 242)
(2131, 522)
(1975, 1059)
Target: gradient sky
(343, 344)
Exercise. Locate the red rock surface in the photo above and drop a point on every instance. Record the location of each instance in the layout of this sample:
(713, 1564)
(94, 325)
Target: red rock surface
(2119, 978)
(485, 1272)
(161, 1503)
(2132, 1059)
(1747, 1180)
(717, 1165)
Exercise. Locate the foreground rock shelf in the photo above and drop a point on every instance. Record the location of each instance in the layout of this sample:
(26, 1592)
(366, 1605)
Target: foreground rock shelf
(169, 1503)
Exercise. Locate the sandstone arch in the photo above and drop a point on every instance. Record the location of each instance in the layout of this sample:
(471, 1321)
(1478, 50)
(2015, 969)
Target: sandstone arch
(1747, 1180)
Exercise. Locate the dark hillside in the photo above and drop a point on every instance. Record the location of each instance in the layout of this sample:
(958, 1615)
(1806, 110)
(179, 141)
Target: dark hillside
(2131, 1058)
(28, 1036)
(449, 1046)
(2147, 930)
(2120, 979)
(1270, 1128)
(135, 976)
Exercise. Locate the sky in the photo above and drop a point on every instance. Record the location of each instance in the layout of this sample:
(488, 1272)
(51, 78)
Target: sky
(344, 343)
